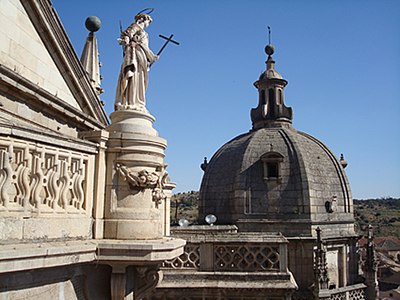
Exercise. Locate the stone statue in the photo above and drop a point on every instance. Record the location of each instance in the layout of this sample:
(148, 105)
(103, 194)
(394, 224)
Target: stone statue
(133, 77)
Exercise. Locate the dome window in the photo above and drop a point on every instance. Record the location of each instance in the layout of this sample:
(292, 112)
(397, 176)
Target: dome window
(272, 166)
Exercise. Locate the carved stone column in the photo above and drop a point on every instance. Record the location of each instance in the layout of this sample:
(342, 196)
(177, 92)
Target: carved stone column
(370, 268)
(321, 279)
(136, 178)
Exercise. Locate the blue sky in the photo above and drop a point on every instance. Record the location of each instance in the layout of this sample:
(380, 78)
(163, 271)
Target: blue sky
(341, 58)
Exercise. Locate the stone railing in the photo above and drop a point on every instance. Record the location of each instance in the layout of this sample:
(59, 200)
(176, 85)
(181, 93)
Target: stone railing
(36, 178)
(231, 252)
(245, 257)
(189, 259)
(352, 292)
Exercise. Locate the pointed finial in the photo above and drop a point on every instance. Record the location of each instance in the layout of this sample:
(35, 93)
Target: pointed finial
(204, 165)
(269, 35)
(342, 161)
(269, 49)
(319, 238)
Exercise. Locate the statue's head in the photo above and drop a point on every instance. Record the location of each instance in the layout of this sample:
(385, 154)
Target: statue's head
(143, 18)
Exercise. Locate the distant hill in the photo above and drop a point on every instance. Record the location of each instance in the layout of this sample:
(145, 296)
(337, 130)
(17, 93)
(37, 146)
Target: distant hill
(383, 213)
(185, 206)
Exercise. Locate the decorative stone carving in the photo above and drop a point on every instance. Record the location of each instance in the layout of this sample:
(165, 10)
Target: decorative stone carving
(370, 267)
(189, 259)
(5, 177)
(246, 258)
(37, 178)
(141, 179)
(144, 179)
(320, 265)
(149, 277)
(23, 179)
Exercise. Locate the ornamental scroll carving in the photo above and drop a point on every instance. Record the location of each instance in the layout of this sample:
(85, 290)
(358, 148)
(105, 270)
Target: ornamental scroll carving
(40, 178)
(146, 180)
(148, 278)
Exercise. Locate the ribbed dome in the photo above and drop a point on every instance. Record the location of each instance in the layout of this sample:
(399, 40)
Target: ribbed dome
(270, 74)
(277, 179)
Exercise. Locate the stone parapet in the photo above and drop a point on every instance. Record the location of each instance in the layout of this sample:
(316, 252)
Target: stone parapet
(28, 256)
(46, 190)
(221, 260)
(139, 252)
(356, 292)
(212, 280)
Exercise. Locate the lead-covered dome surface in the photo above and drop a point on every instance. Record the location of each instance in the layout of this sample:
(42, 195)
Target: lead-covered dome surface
(277, 179)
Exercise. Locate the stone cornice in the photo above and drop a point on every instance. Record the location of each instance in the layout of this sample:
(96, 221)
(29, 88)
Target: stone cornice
(28, 256)
(54, 37)
(43, 135)
(24, 256)
(138, 251)
(24, 90)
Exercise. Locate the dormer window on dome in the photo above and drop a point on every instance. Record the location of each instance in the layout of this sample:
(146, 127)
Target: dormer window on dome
(272, 166)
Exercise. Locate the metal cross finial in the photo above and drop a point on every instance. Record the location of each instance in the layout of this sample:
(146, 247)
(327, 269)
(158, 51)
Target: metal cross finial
(169, 39)
(269, 35)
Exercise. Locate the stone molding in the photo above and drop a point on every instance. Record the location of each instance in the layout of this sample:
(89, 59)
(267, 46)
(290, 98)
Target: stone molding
(128, 252)
(22, 257)
(14, 84)
(54, 37)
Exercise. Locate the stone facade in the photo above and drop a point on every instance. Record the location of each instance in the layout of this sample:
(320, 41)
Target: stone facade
(59, 173)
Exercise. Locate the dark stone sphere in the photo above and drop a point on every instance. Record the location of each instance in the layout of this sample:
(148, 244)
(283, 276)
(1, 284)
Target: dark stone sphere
(269, 49)
(93, 23)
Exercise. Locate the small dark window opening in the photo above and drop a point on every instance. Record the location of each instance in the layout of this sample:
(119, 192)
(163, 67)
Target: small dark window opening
(272, 170)
(271, 102)
(263, 100)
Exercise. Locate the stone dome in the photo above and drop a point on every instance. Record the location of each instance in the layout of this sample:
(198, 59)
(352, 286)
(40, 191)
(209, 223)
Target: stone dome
(270, 74)
(276, 178)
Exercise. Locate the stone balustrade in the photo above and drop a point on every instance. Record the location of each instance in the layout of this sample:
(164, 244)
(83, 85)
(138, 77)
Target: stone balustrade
(39, 178)
(220, 262)
(45, 189)
(230, 251)
(352, 292)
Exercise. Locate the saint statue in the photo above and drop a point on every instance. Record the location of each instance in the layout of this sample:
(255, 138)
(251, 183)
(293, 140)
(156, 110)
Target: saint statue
(133, 77)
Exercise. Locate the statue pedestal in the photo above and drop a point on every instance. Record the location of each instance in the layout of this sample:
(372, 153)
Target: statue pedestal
(137, 190)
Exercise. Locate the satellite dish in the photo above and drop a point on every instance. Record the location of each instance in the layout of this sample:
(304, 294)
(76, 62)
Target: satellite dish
(183, 223)
(210, 219)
